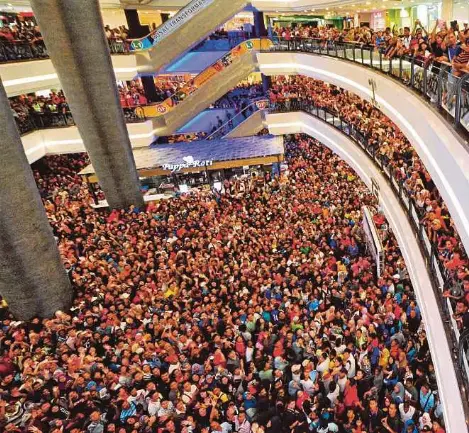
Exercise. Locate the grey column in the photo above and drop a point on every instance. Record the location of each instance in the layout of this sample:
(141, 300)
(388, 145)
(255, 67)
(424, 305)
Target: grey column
(32, 277)
(74, 35)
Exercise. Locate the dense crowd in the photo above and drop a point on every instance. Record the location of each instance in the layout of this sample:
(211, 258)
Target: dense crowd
(443, 44)
(254, 309)
(241, 96)
(132, 94)
(396, 151)
(37, 111)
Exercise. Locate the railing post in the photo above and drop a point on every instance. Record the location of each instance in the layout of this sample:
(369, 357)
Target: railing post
(380, 60)
(353, 51)
(412, 71)
(400, 68)
(439, 92)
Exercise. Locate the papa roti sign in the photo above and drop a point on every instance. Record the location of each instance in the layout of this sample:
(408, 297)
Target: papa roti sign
(189, 162)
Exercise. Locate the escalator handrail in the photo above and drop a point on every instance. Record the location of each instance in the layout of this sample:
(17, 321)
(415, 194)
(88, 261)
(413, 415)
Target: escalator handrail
(254, 103)
(158, 29)
(169, 103)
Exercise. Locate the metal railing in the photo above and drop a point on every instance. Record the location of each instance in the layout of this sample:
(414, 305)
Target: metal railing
(35, 121)
(238, 118)
(441, 278)
(435, 81)
(18, 51)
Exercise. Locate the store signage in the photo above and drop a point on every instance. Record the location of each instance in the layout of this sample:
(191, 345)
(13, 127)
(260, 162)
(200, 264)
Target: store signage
(188, 162)
(262, 104)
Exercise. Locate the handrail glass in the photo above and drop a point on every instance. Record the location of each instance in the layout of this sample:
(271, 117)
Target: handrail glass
(198, 81)
(238, 118)
(435, 81)
(440, 277)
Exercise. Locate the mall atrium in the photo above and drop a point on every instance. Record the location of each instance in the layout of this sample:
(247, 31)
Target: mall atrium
(234, 216)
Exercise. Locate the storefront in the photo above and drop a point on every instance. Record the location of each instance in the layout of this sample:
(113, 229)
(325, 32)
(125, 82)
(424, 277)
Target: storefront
(169, 169)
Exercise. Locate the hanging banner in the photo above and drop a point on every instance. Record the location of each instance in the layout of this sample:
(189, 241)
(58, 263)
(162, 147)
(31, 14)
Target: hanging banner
(180, 18)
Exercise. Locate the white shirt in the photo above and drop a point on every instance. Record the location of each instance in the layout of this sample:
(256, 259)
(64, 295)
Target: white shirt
(350, 366)
(405, 416)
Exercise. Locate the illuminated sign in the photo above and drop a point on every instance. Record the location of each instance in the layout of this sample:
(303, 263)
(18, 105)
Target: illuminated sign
(189, 162)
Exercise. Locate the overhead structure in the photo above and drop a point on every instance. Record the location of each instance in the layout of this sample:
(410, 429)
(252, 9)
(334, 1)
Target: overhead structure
(84, 67)
(33, 280)
(194, 22)
(206, 88)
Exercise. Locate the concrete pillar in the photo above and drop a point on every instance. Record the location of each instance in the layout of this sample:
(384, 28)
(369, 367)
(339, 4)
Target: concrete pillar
(149, 87)
(259, 24)
(266, 83)
(74, 36)
(32, 277)
(447, 11)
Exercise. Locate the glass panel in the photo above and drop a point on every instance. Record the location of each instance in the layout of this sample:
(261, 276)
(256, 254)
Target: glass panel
(395, 61)
(419, 72)
(366, 55)
(426, 241)
(432, 82)
(449, 87)
(358, 54)
(465, 105)
(340, 49)
(406, 69)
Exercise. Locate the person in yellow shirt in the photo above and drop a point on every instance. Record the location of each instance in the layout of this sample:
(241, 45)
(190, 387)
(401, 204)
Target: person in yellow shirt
(383, 359)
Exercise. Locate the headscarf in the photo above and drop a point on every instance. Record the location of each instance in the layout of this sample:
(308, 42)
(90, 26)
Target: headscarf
(398, 397)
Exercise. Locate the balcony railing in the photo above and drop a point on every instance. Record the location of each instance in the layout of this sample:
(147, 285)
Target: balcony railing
(441, 278)
(430, 79)
(18, 51)
(36, 121)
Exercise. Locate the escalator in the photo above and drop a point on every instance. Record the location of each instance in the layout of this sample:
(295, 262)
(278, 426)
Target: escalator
(206, 88)
(249, 121)
(180, 33)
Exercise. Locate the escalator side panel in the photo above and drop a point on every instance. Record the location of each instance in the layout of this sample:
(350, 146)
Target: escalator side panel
(187, 35)
(251, 126)
(218, 86)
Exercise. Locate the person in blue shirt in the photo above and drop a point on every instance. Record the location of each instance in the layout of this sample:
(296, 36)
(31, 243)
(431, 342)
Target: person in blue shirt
(426, 399)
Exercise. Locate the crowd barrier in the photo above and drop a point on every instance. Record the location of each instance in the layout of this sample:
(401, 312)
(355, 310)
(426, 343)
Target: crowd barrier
(441, 279)
(432, 80)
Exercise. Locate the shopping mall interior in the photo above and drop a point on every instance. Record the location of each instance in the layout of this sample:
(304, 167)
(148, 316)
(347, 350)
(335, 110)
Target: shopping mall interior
(225, 216)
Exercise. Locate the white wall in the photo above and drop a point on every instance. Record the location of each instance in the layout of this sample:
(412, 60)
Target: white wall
(291, 123)
(444, 156)
(25, 77)
(68, 140)
(114, 18)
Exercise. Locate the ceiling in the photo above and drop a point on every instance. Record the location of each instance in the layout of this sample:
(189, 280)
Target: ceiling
(330, 8)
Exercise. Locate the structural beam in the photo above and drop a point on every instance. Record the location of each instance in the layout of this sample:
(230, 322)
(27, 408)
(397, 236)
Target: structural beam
(74, 35)
(32, 277)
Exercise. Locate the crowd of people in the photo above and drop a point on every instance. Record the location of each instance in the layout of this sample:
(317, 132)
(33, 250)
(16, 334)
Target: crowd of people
(131, 94)
(396, 152)
(444, 43)
(254, 309)
(33, 111)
